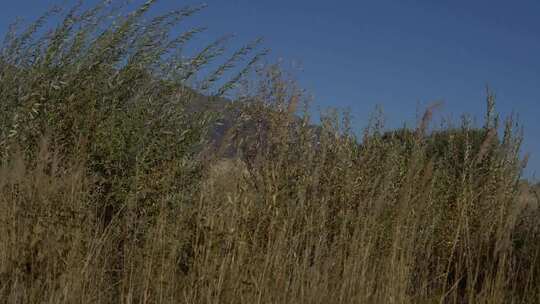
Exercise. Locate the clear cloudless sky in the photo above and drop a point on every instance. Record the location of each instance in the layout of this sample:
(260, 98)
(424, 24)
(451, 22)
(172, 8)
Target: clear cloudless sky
(397, 54)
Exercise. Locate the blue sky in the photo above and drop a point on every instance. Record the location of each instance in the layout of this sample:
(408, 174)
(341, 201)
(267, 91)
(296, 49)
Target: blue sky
(397, 54)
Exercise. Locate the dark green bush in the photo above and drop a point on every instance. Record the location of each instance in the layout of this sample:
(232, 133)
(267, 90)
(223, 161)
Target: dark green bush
(117, 89)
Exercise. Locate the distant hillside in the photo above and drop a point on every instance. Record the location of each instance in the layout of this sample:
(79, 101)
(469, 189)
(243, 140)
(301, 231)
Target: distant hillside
(244, 123)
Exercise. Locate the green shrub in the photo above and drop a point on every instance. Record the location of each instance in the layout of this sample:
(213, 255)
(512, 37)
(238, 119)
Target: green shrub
(117, 89)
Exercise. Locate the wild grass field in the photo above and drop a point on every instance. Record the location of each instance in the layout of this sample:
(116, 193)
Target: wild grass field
(125, 177)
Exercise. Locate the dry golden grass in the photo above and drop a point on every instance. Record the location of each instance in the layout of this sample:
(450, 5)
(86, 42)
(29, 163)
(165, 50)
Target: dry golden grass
(105, 196)
(336, 223)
